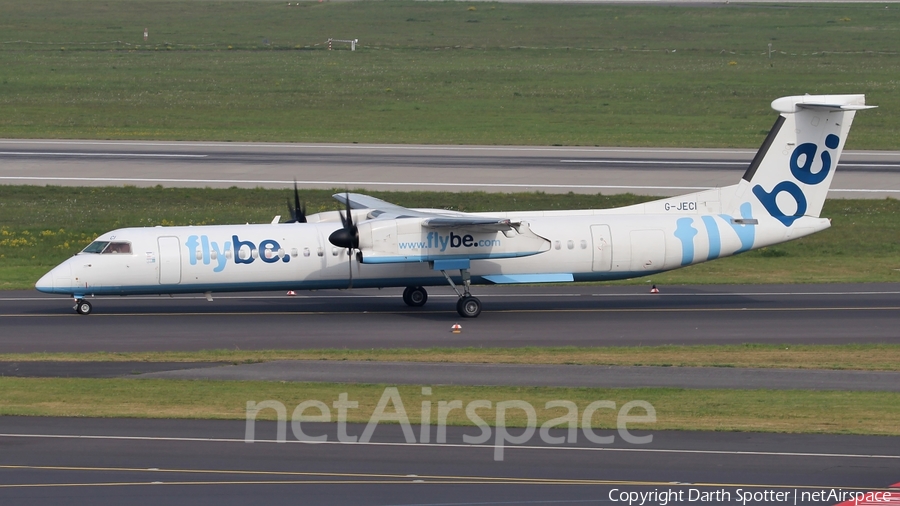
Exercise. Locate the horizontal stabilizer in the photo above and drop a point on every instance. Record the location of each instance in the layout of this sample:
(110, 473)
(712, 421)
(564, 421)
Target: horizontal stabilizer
(836, 107)
(823, 102)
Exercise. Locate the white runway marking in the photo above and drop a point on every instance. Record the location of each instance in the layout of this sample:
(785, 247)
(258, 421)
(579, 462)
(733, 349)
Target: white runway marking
(862, 190)
(698, 162)
(388, 183)
(457, 445)
(126, 155)
(398, 147)
(346, 183)
(656, 162)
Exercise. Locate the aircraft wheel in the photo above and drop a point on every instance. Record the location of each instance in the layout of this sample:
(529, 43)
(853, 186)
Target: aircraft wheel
(415, 296)
(468, 307)
(83, 307)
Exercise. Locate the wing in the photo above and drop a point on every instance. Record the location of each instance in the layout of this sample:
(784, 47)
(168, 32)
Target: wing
(395, 234)
(381, 209)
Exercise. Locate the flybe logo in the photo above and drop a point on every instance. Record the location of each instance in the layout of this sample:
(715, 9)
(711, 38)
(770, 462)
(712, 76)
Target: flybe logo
(201, 249)
(685, 232)
(440, 242)
(802, 161)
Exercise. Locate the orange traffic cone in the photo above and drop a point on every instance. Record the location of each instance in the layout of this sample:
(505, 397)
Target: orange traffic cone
(456, 328)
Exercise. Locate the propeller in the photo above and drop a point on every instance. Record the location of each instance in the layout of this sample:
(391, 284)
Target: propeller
(298, 210)
(347, 236)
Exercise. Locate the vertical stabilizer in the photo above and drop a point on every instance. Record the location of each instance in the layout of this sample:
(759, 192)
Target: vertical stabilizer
(790, 175)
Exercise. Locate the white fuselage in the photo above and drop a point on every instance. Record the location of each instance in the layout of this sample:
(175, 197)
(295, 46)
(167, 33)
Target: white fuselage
(580, 246)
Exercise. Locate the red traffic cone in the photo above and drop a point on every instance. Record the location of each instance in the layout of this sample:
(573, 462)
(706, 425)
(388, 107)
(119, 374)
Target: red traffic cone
(291, 293)
(456, 328)
(654, 289)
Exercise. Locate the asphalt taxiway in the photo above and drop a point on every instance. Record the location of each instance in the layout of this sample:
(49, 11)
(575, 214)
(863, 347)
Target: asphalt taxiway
(410, 373)
(425, 373)
(553, 169)
(88, 461)
(577, 315)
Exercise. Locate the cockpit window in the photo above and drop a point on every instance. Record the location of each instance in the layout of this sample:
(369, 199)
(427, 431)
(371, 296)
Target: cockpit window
(118, 247)
(107, 247)
(95, 247)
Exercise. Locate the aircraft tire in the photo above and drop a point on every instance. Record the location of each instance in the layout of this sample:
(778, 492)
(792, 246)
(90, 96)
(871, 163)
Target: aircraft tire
(468, 307)
(83, 307)
(415, 296)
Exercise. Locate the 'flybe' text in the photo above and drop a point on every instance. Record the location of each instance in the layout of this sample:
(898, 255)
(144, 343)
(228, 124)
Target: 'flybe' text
(440, 242)
(201, 249)
(801, 163)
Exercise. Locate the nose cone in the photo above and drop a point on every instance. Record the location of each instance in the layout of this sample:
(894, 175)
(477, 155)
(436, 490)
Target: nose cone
(45, 284)
(58, 280)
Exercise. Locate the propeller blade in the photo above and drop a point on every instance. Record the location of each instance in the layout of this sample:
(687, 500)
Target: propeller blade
(347, 219)
(350, 265)
(300, 215)
(298, 210)
(347, 202)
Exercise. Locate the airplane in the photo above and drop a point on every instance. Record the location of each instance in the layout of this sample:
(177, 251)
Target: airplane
(373, 243)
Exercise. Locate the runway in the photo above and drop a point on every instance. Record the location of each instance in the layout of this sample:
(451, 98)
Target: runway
(647, 171)
(88, 461)
(514, 316)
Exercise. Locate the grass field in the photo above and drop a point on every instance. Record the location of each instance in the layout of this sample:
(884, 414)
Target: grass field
(438, 72)
(721, 410)
(863, 357)
(41, 226)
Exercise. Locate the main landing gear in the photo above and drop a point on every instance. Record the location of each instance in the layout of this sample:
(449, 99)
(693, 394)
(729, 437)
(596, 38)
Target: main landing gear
(83, 307)
(467, 306)
(415, 296)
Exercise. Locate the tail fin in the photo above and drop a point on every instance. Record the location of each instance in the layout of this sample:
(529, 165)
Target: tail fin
(792, 172)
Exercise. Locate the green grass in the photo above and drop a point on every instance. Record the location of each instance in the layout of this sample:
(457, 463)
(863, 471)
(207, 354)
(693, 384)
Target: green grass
(869, 357)
(438, 72)
(41, 226)
(679, 409)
